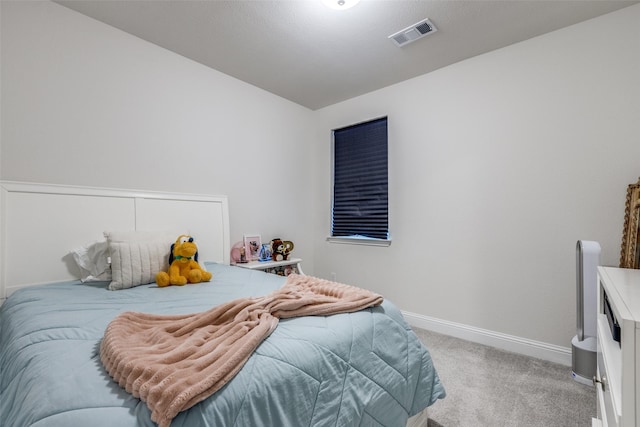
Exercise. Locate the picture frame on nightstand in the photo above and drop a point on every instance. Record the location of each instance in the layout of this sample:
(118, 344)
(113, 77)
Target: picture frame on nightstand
(252, 244)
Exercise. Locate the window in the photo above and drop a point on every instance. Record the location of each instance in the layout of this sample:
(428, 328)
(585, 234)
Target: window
(360, 184)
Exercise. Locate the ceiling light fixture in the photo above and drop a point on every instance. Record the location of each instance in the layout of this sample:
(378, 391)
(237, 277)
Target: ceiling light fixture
(340, 4)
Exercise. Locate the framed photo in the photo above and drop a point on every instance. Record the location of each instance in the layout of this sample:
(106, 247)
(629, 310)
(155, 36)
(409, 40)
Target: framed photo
(252, 245)
(630, 250)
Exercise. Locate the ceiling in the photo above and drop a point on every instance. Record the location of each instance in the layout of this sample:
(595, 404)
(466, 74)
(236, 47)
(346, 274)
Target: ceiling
(316, 56)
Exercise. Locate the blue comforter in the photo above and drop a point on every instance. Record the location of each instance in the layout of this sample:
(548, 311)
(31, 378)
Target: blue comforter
(365, 368)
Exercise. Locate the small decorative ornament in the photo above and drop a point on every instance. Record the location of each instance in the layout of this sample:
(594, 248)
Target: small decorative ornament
(238, 254)
(265, 252)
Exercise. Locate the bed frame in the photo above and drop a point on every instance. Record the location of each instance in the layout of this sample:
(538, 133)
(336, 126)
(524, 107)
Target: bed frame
(40, 224)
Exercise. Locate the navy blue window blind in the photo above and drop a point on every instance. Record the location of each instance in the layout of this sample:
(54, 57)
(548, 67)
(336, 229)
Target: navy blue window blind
(360, 181)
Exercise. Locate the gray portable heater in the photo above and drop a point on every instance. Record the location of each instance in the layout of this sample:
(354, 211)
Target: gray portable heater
(584, 344)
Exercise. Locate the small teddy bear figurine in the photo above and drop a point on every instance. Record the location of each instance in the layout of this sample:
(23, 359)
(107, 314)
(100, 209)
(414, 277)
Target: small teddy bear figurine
(280, 249)
(183, 265)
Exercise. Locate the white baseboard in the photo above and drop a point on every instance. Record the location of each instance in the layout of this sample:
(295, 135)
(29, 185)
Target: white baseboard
(537, 349)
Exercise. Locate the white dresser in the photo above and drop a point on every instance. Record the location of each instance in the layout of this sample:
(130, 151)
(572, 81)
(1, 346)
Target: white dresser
(618, 374)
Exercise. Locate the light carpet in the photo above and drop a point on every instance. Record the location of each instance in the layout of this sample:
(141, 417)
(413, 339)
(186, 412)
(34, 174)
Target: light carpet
(491, 387)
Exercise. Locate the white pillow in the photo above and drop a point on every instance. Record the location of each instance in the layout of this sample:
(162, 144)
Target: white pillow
(93, 262)
(136, 257)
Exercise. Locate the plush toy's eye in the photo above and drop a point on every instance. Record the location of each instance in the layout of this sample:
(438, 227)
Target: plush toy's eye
(185, 239)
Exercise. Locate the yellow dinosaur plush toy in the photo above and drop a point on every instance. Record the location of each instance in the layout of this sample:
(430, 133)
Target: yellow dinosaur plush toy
(183, 265)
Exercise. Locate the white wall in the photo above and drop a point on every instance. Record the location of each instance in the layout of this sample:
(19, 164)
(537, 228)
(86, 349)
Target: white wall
(86, 104)
(498, 165)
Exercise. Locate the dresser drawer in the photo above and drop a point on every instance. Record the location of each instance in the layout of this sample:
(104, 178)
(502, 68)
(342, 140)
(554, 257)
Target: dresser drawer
(608, 374)
(606, 412)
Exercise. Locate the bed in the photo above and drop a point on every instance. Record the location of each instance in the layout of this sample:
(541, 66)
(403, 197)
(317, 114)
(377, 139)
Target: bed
(360, 368)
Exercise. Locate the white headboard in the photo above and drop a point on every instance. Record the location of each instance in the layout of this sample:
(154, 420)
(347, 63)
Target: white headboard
(40, 224)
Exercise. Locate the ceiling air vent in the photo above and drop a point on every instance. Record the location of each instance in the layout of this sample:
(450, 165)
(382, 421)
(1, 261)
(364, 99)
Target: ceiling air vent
(413, 33)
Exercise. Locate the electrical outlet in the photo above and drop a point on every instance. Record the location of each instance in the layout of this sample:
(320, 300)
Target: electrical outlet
(333, 276)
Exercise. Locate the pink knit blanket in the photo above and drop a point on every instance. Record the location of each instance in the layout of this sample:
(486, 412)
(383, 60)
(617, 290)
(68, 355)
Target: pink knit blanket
(172, 362)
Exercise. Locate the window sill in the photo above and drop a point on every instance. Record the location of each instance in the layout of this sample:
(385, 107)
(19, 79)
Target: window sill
(359, 241)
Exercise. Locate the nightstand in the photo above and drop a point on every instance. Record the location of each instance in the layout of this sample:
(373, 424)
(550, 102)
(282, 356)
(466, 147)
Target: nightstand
(282, 268)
